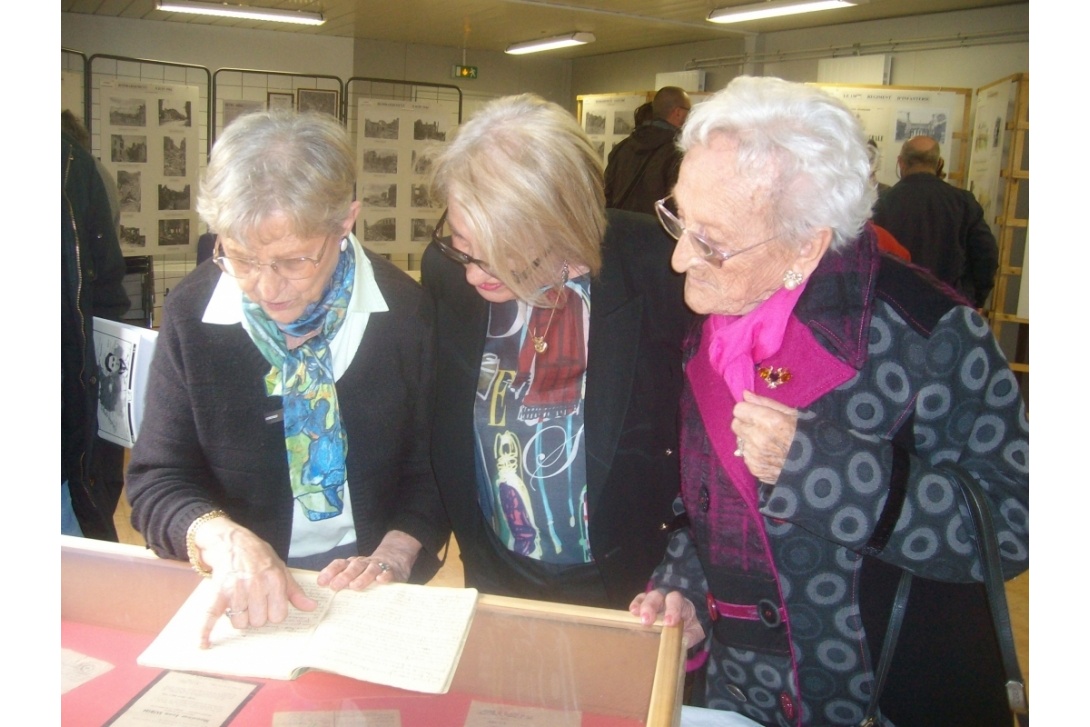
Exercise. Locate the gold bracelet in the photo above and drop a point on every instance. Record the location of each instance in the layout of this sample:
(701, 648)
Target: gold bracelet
(191, 541)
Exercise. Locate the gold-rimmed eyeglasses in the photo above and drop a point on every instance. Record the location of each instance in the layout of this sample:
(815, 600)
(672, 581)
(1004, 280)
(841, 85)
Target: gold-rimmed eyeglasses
(709, 250)
(290, 268)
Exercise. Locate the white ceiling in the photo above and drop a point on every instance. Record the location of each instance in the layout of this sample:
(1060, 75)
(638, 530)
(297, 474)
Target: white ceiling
(620, 25)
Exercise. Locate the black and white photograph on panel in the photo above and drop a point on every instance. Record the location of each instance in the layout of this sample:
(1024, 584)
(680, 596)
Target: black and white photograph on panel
(173, 197)
(317, 99)
(173, 233)
(380, 161)
(129, 191)
(382, 128)
(129, 148)
(132, 237)
(175, 112)
(174, 156)
(128, 111)
(379, 195)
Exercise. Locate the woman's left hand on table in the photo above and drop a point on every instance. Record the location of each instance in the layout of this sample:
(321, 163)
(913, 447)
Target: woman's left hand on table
(391, 562)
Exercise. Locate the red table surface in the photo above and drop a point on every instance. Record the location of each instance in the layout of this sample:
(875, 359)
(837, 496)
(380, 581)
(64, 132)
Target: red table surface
(97, 701)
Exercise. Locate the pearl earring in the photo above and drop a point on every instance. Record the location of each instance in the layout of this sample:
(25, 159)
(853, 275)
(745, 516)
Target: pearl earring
(344, 244)
(792, 279)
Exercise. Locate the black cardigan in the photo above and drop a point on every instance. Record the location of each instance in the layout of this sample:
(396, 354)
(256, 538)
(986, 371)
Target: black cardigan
(204, 443)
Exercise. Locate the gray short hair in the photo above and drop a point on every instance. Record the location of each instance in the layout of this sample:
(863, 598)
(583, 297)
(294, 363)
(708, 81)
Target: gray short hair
(812, 143)
(302, 166)
(530, 184)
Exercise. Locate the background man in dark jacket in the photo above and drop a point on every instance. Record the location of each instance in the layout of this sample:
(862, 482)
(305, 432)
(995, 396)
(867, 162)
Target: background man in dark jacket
(92, 270)
(642, 169)
(942, 226)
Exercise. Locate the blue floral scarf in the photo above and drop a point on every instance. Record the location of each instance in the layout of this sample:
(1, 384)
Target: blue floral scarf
(303, 375)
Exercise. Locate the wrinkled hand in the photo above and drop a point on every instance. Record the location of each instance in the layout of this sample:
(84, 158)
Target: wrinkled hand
(675, 609)
(764, 429)
(253, 584)
(397, 552)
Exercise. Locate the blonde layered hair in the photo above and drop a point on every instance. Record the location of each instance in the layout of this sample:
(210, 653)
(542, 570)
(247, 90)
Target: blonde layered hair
(529, 184)
(301, 166)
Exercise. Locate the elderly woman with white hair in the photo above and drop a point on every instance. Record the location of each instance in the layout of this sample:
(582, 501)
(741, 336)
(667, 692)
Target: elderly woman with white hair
(828, 391)
(559, 331)
(290, 396)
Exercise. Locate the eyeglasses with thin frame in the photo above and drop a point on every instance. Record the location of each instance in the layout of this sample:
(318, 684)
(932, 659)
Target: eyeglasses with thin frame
(290, 268)
(445, 243)
(707, 249)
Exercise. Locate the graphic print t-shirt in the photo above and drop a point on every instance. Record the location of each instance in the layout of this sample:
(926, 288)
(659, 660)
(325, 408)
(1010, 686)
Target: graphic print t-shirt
(532, 484)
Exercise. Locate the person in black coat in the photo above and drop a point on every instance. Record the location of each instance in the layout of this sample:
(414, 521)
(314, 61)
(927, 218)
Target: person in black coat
(942, 226)
(92, 270)
(559, 333)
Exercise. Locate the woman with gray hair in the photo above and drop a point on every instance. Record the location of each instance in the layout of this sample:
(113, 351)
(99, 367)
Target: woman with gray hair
(290, 396)
(828, 392)
(559, 332)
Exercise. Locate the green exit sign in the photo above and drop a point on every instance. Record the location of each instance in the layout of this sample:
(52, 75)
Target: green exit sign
(463, 72)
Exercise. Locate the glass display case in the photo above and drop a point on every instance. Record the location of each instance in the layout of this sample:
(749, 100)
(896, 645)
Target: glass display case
(528, 663)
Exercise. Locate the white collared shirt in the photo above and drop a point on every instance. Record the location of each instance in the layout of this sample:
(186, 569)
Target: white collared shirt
(225, 308)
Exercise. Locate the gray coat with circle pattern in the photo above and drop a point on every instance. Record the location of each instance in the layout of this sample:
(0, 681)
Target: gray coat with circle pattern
(892, 378)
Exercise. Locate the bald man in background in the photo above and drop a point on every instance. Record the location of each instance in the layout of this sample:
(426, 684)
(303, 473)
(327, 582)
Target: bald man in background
(943, 227)
(642, 168)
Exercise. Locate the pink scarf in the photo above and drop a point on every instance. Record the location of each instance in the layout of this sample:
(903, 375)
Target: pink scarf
(737, 344)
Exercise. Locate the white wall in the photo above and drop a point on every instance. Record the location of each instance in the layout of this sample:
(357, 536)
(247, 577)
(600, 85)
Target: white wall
(962, 67)
(968, 67)
(268, 50)
(207, 45)
(499, 73)
(558, 80)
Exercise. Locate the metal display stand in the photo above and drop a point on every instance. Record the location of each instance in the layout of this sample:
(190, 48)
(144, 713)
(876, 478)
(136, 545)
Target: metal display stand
(73, 73)
(446, 98)
(260, 87)
(168, 267)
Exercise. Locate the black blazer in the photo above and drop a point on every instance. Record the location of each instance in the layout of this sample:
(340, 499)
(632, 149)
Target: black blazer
(637, 322)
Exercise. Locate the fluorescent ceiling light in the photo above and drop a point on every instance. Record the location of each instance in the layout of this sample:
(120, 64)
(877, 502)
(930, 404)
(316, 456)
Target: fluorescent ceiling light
(300, 17)
(776, 8)
(559, 41)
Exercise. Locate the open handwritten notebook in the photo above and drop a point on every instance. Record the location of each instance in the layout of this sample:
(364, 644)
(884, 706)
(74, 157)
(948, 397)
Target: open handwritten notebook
(399, 635)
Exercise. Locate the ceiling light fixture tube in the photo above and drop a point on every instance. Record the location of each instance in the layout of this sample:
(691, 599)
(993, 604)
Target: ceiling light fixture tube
(299, 17)
(775, 9)
(560, 41)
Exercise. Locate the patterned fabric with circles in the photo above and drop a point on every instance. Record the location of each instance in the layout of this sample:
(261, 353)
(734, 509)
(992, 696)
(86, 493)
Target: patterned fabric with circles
(949, 384)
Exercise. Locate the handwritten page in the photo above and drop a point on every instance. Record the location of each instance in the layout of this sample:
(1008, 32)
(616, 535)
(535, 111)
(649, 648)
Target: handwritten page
(269, 652)
(176, 698)
(408, 636)
(77, 668)
(397, 634)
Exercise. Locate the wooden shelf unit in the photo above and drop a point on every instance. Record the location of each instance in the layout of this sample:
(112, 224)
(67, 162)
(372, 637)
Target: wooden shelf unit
(1010, 328)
